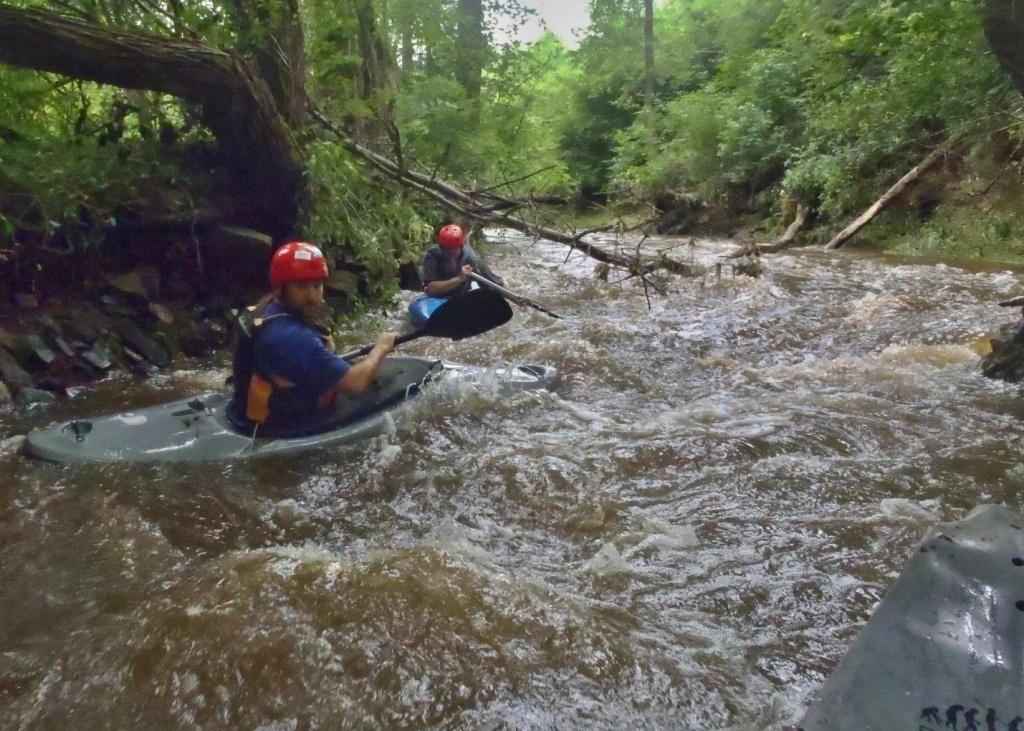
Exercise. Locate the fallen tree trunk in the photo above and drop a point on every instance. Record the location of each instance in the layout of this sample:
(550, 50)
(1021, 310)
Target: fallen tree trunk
(783, 242)
(465, 204)
(882, 203)
(265, 161)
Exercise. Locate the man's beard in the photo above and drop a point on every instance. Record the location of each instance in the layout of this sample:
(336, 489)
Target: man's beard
(303, 312)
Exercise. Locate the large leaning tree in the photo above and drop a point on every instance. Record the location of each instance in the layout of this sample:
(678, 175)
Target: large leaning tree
(250, 103)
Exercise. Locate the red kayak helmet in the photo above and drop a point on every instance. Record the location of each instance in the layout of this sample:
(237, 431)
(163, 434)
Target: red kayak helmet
(297, 261)
(451, 236)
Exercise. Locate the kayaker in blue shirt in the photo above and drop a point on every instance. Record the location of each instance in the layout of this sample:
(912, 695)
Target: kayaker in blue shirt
(446, 267)
(286, 375)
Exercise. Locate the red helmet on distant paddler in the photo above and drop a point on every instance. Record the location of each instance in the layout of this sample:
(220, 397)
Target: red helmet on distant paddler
(295, 262)
(451, 236)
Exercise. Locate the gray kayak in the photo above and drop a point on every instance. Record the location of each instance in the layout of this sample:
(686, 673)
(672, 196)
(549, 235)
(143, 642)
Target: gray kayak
(944, 650)
(198, 429)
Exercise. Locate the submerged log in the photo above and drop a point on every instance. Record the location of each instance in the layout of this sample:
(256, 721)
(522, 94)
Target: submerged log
(882, 203)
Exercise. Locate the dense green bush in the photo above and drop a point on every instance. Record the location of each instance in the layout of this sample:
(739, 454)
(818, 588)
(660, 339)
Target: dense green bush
(364, 221)
(840, 97)
(74, 154)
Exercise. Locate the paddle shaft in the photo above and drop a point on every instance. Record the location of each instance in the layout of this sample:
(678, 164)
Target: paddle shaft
(512, 296)
(398, 341)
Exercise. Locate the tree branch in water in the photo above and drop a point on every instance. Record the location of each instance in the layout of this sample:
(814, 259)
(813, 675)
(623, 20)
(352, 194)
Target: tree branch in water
(783, 242)
(465, 204)
(890, 195)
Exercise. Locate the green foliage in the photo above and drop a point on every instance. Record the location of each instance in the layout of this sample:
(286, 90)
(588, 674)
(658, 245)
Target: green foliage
(894, 102)
(826, 100)
(74, 155)
(522, 114)
(71, 153)
(333, 56)
(512, 132)
(212, 22)
(958, 232)
(360, 219)
(836, 100)
(694, 40)
(714, 138)
(605, 96)
(56, 184)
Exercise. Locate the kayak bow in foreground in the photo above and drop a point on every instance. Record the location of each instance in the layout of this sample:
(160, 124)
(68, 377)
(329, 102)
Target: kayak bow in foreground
(945, 648)
(198, 429)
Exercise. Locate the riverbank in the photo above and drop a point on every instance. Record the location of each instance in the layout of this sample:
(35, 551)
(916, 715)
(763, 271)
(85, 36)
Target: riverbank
(51, 347)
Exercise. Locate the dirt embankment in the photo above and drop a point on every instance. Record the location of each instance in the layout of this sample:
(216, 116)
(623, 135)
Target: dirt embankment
(967, 206)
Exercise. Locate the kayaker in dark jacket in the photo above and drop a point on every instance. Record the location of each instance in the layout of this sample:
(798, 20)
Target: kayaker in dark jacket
(287, 377)
(446, 266)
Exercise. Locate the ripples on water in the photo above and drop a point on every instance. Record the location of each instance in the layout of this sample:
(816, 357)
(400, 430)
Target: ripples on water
(687, 535)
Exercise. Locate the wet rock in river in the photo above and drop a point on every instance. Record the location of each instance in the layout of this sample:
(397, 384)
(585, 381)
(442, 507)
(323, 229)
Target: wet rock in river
(7, 340)
(97, 357)
(143, 282)
(1006, 361)
(12, 445)
(198, 336)
(289, 515)
(749, 266)
(16, 345)
(64, 347)
(195, 341)
(608, 562)
(116, 306)
(161, 312)
(86, 324)
(5, 395)
(49, 324)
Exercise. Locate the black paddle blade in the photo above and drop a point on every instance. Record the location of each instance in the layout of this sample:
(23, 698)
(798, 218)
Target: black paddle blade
(468, 315)
(461, 317)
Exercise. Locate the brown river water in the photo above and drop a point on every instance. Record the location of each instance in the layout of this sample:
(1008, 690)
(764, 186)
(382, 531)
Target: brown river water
(687, 534)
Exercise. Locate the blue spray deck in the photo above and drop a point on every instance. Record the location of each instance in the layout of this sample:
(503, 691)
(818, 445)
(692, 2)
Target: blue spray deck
(421, 308)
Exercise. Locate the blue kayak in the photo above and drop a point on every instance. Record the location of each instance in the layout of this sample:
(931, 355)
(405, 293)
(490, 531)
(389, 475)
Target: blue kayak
(421, 308)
